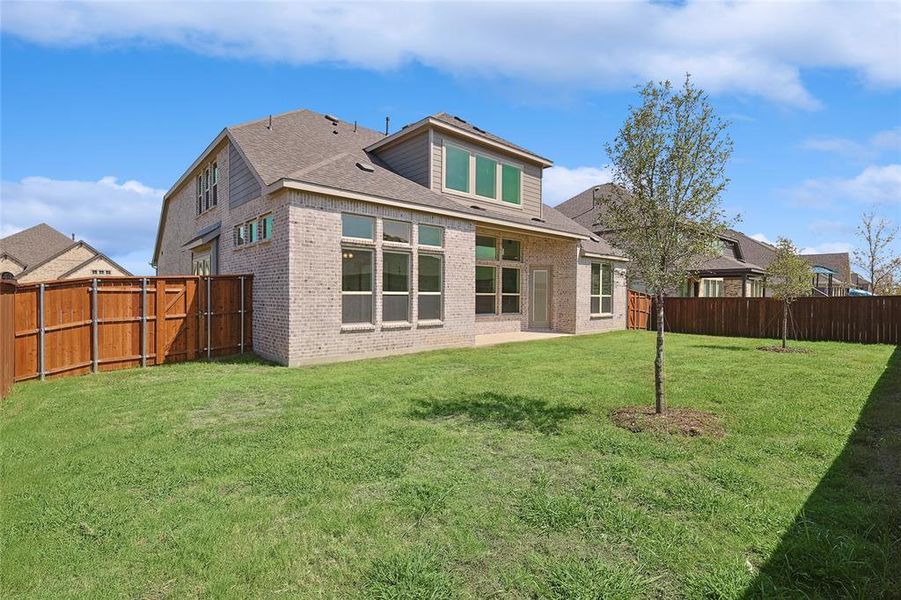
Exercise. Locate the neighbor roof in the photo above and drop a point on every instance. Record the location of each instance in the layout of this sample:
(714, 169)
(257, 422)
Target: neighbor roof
(840, 262)
(35, 245)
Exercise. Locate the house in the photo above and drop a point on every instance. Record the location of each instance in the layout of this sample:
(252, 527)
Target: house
(739, 270)
(42, 253)
(366, 244)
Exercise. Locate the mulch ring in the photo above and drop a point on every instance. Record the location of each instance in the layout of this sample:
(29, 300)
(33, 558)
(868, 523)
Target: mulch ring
(780, 349)
(676, 421)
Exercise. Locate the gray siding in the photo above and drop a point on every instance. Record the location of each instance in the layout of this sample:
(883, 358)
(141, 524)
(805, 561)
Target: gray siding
(531, 179)
(242, 184)
(410, 158)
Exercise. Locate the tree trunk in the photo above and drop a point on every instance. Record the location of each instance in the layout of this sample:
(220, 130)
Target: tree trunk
(659, 396)
(784, 323)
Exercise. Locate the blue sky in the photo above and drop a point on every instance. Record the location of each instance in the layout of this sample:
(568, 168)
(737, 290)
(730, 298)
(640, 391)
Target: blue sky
(104, 105)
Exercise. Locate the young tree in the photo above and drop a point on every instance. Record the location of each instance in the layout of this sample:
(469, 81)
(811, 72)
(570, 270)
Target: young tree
(669, 166)
(876, 254)
(789, 278)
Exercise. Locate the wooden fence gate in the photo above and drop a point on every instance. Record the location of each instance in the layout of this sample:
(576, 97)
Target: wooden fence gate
(639, 310)
(71, 327)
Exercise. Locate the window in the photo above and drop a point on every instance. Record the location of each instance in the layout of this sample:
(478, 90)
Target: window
(713, 288)
(429, 235)
(511, 250)
(486, 247)
(356, 285)
(601, 289)
(510, 289)
(430, 276)
(356, 226)
(395, 286)
(486, 177)
(101, 272)
(493, 179)
(485, 290)
(266, 227)
(239, 236)
(756, 290)
(456, 169)
(396, 231)
(511, 184)
(206, 189)
(201, 265)
(7, 276)
(199, 194)
(215, 184)
(250, 232)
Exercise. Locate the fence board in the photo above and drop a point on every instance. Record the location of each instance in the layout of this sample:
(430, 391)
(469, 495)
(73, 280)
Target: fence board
(7, 335)
(866, 320)
(639, 310)
(172, 313)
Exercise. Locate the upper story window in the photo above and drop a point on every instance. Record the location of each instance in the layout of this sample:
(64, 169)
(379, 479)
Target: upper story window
(357, 226)
(431, 235)
(481, 175)
(207, 191)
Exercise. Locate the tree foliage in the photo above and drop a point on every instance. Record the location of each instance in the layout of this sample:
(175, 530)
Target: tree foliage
(790, 278)
(877, 254)
(669, 166)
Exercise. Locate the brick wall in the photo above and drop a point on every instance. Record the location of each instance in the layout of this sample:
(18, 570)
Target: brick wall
(63, 263)
(315, 284)
(585, 322)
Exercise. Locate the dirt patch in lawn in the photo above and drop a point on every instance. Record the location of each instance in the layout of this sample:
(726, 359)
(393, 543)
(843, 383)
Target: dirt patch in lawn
(780, 349)
(676, 421)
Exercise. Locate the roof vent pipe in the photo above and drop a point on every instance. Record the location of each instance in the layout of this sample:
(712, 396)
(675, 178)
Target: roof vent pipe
(387, 121)
(269, 126)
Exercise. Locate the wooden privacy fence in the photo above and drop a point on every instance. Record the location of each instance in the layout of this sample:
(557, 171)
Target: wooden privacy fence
(7, 335)
(71, 327)
(639, 310)
(867, 319)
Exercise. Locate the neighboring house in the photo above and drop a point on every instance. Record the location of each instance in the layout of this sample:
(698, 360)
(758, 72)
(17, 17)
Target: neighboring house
(831, 273)
(42, 253)
(367, 244)
(859, 282)
(739, 270)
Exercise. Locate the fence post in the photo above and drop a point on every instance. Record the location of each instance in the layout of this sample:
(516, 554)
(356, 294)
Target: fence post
(241, 313)
(94, 345)
(209, 311)
(143, 321)
(41, 331)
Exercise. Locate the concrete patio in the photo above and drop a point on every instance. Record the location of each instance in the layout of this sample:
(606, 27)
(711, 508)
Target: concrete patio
(491, 339)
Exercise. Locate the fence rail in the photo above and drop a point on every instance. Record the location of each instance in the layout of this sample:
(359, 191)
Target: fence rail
(78, 326)
(867, 320)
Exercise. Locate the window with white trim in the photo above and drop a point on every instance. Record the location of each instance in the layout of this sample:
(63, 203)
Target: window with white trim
(266, 227)
(238, 237)
(395, 286)
(510, 289)
(712, 287)
(511, 250)
(431, 275)
(199, 194)
(357, 226)
(396, 231)
(215, 184)
(601, 288)
(356, 285)
(756, 290)
(250, 232)
(481, 175)
(486, 290)
(206, 189)
(431, 235)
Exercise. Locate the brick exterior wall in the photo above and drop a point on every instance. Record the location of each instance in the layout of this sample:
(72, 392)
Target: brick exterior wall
(315, 284)
(585, 322)
(732, 287)
(61, 264)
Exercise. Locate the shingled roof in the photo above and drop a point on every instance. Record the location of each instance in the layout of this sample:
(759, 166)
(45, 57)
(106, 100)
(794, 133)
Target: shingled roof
(309, 147)
(32, 246)
(840, 262)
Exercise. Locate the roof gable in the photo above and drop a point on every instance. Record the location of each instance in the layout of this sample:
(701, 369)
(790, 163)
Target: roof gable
(34, 245)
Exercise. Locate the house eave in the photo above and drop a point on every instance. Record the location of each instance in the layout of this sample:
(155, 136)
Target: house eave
(314, 188)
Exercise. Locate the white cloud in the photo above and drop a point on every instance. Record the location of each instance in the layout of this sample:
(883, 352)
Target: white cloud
(828, 248)
(884, 141)
(750, 48)
(118, 219)
(762, 238)
(560, 183)
(874, 185)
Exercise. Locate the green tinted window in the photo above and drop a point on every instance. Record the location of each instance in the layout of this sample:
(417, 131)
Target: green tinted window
(511, 177)
(486, 177)
(357, 226)
(456, 169)
(511, 250)
(485, 280)
(486, 247)
(431, 236)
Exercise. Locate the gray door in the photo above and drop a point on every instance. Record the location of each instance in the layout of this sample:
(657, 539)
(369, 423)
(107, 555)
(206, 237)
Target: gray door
(541, 283)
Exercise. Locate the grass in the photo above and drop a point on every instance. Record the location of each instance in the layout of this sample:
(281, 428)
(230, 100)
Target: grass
(475, 473)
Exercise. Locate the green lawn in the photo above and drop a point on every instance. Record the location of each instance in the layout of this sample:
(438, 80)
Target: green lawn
(474, 473)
